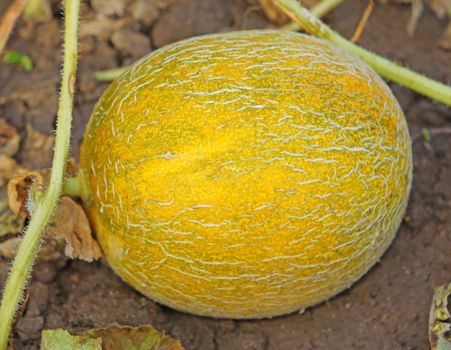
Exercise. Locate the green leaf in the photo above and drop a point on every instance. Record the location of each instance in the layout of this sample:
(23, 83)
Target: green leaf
(61, 339)
(114, 337)
(15, 57)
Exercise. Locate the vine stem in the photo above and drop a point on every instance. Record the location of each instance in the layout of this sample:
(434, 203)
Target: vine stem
(110, 74)
(45, 202)
(403, 76)
(319, 10)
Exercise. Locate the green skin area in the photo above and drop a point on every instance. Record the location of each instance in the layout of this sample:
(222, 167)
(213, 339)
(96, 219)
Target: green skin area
(246, 174)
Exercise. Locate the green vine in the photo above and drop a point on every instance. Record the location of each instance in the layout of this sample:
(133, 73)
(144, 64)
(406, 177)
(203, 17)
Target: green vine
(45, 202)
(319, 10)
(384, 67)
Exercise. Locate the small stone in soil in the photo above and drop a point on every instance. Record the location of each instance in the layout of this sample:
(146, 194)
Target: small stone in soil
(130, 43)
(45, 272)
(144, 11)
(104, 57)
(109, 8)
(39, 297)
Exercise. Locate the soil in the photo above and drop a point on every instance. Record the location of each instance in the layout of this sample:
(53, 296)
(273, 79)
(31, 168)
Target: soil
(387, 309)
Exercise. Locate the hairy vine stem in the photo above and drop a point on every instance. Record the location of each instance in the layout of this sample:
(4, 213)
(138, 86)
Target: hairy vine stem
(45, 202)
(319, 10)
(403, 76)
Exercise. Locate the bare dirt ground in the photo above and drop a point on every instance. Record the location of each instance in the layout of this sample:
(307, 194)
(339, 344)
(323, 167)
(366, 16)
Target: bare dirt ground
(388, 309)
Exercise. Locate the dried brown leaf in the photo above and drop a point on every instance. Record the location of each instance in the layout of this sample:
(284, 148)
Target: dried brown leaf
(9, 139)
(19, 188)
(117, 337)
(440, 7)
(72, 225)
(9, 222)
(445, 41)
(273, 12)
(8, 248)
(114, 337)
(68, 235)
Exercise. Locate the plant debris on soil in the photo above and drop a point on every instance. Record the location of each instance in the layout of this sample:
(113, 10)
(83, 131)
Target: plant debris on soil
(114, 337)
(387, 309)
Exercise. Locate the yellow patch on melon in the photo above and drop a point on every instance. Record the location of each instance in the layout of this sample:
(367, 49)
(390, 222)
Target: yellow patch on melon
(246, 174)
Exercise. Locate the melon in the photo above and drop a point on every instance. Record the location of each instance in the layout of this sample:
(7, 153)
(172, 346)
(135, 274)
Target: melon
(246, 174)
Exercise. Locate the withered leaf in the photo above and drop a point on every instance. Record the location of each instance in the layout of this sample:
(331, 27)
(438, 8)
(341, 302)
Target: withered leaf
(19, 188)
(445, 41)
(71, 224)
(117, 337)
(273, 12)
(440, 7)
(9, 222)
(9, 247)
(114, 337)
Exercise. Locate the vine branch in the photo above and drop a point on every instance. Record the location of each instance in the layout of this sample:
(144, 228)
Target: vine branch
(319, 10)
(403, 76)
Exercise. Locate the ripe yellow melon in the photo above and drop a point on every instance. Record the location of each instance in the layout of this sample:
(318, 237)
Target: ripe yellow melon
(247, 174)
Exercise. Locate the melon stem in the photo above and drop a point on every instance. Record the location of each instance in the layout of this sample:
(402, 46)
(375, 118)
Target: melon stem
(109, 74)
(392, 71)
(77, 186)
(45, 205)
